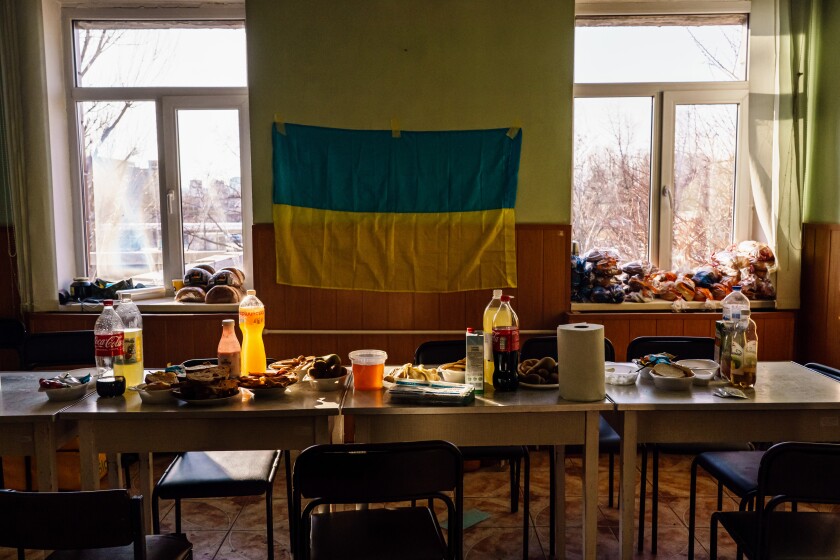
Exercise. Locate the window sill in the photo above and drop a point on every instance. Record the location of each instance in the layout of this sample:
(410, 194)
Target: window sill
(157, 305)
(659, 305)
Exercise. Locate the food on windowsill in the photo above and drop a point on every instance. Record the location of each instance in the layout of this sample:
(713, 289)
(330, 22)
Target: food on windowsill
(190, 294)
(599, 276)
(223, 294)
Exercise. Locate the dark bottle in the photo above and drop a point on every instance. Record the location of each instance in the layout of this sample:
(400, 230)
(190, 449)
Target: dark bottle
(505, 347)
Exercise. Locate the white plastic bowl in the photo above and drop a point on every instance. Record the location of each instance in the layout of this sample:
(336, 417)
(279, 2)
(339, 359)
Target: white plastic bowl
(704, 370)
(67, 393)
(621, 374)
(329, 384)
(672, 383)
(160, 396)
(453, 375)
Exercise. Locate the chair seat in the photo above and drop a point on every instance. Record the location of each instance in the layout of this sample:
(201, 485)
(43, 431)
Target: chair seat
(737, 470)
(608, 438)
(405, 533)
(158, 547)
(210, 474)
(792, 535)
(472, 453)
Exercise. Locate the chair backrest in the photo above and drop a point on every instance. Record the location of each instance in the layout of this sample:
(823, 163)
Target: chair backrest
(375, 473)
(542, 346)
(683, 347)
(800, 472)
(59, 349)
(825, 370)
(72, 520)
(440, 351)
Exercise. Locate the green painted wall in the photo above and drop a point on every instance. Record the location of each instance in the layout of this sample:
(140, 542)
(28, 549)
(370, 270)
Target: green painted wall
(822, 190)
(435, 65)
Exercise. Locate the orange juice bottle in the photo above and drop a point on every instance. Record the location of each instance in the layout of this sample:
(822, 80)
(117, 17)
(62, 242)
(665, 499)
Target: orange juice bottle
(252, 323)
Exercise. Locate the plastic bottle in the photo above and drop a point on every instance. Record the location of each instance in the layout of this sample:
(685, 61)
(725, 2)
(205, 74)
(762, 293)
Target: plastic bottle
(132, 364)
(252, 323)
(489, 313)
(744, 356)
(505, 347)
(733, 307)
(108, 340)
(229, 350)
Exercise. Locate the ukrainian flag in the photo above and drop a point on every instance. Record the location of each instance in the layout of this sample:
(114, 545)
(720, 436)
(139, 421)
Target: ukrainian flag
(420, 212)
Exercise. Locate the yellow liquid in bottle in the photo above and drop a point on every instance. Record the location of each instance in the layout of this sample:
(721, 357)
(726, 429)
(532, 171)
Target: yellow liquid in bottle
(132, 366)
(252, 323)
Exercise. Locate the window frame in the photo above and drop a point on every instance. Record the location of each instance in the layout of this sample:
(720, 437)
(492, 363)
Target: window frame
(167, 101)
(665, 96)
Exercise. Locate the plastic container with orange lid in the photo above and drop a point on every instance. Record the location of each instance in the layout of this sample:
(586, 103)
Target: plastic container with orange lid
(368, 368)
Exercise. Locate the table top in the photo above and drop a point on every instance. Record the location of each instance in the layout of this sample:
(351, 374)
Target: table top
(779, 386)
(20, 400)
(298, 400)
(521, 400)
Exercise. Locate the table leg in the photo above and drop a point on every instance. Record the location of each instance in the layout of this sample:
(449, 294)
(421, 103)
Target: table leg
(590, 485)
(146, 484)
(560, 502)
(88, 456)
(627, 500)
(45, 458)
(115, 474)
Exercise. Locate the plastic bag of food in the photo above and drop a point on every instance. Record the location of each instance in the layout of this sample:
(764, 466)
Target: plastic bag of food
(595, 255)
(638, 268)
(706, 275)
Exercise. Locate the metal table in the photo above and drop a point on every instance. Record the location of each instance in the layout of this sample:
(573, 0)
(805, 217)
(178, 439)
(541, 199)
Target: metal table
(789, 402)
(523, 417)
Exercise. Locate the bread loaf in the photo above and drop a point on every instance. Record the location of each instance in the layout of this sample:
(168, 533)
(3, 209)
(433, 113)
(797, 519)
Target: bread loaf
(197, 277)
(227, 277)
(223, 294)
(190, 294)
(206, 267)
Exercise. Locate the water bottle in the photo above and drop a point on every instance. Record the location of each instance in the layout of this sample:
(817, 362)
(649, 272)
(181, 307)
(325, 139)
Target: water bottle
(505, 347)
(252, 323)
(132, 362)
(734, 306)
(108, 340)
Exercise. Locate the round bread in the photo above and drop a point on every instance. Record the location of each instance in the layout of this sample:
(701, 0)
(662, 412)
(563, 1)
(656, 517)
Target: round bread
(223, 294)
(226, 278)
(238, 273)
(197, 277)
(206, 267)
(192, 294)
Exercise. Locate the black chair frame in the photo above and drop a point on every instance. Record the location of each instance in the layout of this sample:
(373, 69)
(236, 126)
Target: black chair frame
(825, 370)
(362, 463)
(790, 472)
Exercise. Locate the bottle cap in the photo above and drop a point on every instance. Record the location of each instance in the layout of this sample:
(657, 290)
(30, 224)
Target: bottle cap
(470, 329)
(497, 294)
(81, 279)
(227, 322)
(736, 288)
(251, 292)
(506, 298)
(108, 303)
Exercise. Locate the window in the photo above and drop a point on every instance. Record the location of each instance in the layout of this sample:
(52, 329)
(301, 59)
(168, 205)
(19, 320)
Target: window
(660, 117)
(159, 111)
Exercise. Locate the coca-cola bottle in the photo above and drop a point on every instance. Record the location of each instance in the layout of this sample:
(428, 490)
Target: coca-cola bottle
(505, 347)
(108, 335)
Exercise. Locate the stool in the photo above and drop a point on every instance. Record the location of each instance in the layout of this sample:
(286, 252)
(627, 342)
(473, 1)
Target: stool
(221, 474)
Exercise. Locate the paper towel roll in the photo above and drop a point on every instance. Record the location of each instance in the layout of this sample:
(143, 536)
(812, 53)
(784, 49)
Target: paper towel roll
(580, 362)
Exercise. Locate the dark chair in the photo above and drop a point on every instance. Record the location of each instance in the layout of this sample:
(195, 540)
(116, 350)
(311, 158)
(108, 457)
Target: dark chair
(443, 351)
(378, 473)
(105, 524)
(608, 439)
(825, 370)
(60, 349)
(12, 335)
(214, 474)
(683, 347)
(789, 472)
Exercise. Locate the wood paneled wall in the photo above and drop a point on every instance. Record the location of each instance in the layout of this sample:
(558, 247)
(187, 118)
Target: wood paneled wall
(819, 316)
(540, 301)
(775, 329)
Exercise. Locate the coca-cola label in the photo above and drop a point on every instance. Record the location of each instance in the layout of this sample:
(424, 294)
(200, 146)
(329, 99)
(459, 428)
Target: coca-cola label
(108, 344)
(505, 339)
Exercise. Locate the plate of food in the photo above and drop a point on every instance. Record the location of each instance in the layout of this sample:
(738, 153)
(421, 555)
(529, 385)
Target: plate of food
(538, 374)
(68, 386)
(454, 372)
(153, 393)
(206, 401)
(271, 384)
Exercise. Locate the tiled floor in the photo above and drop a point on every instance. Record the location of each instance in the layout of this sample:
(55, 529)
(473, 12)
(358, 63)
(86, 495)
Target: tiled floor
(234, 528)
